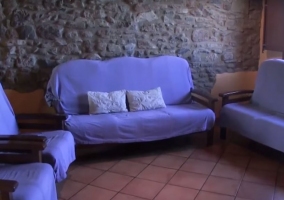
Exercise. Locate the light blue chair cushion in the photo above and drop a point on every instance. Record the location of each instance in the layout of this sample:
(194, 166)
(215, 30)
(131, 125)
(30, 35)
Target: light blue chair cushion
(240, 117)
(60, 151)
(269, 130)
(36, 181)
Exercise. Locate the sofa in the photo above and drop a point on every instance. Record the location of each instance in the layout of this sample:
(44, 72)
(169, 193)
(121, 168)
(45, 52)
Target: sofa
(186, 110)
(258, 114)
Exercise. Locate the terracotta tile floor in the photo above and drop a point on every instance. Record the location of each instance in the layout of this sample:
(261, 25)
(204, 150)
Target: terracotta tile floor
(177, 169)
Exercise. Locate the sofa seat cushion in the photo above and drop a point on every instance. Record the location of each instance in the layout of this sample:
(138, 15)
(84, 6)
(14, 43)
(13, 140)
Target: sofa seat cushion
(36, 181)
(140, 126)
(60, 151)
(240, 117)
(269, 130)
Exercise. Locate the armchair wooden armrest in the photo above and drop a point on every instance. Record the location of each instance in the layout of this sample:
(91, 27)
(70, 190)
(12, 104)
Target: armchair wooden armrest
(44, 121)
(203, 98)
(17, 145)
(244, 95)
(14, 150)
(31, 138)
(8, 185)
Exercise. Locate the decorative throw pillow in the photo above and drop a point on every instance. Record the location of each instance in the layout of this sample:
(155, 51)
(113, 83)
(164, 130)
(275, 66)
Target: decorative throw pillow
(107, 102)
(145, 100)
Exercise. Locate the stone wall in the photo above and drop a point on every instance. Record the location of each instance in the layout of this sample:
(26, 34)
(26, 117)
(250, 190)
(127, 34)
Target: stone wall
(215, 36)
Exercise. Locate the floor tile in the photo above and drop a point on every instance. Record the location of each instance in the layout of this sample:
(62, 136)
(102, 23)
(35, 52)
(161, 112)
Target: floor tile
(128, 168)
(255, 191)
(221, 185)
(228, 171)
(212, 196)
(105, 165)
(158, 174)
(237, 150)
(217, 147)
(144, 159)
(72, 167)
(235, 160)
(260, 176)
(279, 193)
(182, 152)
(121, 196)
(171, 192)
(112, 181)
(198, 166)
(84, 174)
(169, 161)
(143, 188)
(264, 164)
(91, 193)
(190, 180)
(68, 188)
(202, 154)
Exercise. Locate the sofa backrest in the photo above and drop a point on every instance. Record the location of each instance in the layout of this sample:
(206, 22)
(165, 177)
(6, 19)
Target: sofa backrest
(269, 90)
(70, 81)
(8, 124)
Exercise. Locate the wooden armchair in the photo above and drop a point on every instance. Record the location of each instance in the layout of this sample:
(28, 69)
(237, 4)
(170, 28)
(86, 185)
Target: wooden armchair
(60, 145)
(18, 149)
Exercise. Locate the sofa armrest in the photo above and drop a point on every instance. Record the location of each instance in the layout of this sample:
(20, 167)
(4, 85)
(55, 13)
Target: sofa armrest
(16, 150)
(237, 92)
(8, 185)
(42, 121)
(23, 137)
(17, 145)
(203, 98)
(242, 96)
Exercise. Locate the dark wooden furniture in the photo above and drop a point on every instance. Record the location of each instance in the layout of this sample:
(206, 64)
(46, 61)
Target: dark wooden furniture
(18, 149)
(208, 101)
(42, 121)
(234, 97)
(273, 26)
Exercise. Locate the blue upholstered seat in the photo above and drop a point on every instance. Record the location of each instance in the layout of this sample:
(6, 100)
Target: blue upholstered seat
(35, 181)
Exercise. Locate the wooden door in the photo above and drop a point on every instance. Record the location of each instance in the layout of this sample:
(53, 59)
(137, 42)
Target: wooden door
(274, 25)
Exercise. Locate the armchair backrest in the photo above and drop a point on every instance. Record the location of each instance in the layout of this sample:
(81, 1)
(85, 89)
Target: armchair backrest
(269, 90)
(8, 123)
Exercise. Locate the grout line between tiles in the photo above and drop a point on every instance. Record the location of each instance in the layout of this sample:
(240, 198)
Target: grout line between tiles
(242, 179)
(275, 186)
(177, 170)
(209, 175)
(147, 165)
(78, 191)
(88, 184)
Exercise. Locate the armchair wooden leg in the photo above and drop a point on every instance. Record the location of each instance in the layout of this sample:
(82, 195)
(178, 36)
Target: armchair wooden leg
(210, 137)
(223, 132)
(6, 196)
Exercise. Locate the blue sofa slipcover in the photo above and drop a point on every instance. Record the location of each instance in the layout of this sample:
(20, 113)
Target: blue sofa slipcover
(69, 83)
(60, 150)
(35, 181)
(259, 115)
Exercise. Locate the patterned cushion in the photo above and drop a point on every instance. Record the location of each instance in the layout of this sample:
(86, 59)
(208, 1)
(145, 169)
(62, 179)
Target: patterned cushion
(145, 100)
(107, 102)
